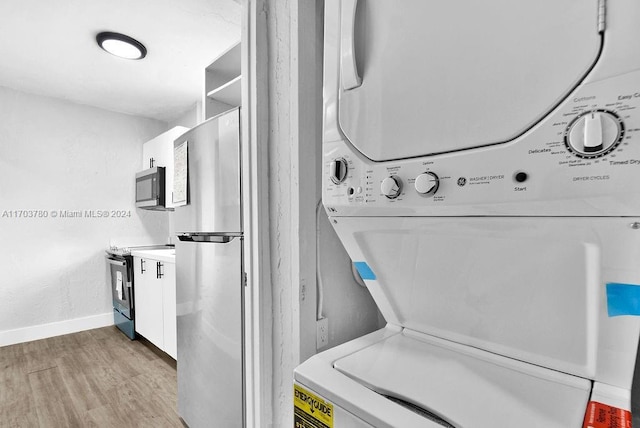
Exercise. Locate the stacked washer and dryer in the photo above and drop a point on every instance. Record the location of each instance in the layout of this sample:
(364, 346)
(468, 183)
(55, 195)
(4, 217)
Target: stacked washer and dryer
(482, 169)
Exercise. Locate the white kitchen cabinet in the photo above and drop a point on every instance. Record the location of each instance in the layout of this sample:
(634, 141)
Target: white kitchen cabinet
(147, 292)
(223, 83)
(155, 302)
(159, 152)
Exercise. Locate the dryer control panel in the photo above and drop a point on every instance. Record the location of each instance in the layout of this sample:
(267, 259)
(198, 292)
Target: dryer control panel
(594, 134)
(583, 159)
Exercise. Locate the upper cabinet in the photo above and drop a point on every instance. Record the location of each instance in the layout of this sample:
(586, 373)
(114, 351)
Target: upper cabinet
(159, 152)
(223, 83)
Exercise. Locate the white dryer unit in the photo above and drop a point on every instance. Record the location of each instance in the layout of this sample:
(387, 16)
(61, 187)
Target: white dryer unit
(482, 168)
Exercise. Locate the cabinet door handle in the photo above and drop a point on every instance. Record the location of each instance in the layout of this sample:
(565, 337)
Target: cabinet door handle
(159, 273)
(142, 269)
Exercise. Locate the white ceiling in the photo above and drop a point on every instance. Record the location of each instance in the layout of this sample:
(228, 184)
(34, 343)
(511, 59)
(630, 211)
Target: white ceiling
(49, 48)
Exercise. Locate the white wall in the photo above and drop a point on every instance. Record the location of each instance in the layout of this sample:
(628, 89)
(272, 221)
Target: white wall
(285, 345)
(189, 118)
(56, 155)
(294, 39)
(347, 305)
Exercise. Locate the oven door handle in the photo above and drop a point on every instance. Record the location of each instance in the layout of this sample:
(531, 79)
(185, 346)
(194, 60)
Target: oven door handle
(116, 262)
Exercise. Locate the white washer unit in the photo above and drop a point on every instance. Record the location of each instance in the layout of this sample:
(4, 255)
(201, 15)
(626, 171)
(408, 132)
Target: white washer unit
(482, 168)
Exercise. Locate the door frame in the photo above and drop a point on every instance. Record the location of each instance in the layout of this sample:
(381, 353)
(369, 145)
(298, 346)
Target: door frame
(254, 130)
(286, 130)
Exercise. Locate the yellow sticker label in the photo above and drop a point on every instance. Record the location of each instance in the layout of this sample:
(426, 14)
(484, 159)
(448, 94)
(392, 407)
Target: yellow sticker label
(310, 411)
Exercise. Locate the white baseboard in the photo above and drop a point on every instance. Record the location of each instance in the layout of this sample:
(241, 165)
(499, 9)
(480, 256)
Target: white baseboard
(59, 328)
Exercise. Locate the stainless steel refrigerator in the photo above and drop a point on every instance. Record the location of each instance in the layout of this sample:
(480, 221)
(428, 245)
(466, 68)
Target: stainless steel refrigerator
(209, 273)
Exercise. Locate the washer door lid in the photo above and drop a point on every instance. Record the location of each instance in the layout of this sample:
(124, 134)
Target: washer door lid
(467, 387)
(445, 76)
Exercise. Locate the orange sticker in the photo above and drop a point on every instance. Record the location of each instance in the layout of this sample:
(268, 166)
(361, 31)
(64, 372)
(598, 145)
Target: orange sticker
(604, 416)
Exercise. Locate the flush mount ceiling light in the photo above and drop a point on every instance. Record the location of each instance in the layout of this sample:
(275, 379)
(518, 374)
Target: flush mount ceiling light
(120, 45)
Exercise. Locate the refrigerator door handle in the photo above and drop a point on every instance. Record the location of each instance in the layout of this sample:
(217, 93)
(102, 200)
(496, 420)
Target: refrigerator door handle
(214, 239)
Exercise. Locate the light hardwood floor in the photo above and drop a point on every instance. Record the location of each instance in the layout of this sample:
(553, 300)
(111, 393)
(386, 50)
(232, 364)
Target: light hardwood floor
(95, 378)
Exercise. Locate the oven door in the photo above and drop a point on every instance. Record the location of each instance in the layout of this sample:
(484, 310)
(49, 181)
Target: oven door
(121, 286)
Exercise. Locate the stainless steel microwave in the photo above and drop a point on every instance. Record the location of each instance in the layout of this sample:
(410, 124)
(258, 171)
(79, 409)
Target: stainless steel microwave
(150, 188)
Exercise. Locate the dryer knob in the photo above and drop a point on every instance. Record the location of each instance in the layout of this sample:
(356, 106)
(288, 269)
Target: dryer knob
(391, 187)
(338, 170)
(427, 183)
(595, 133)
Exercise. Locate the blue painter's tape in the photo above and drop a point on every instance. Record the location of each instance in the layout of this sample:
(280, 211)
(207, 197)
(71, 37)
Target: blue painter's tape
(364, 270)
(623, 299)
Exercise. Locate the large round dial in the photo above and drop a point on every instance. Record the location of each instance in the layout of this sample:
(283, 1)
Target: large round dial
(391, 187)
(338, 170)
(427, 183)
(594, 134)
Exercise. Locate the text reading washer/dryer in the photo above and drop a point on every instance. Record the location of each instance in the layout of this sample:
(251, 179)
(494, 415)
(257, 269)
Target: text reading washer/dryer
(482, 167)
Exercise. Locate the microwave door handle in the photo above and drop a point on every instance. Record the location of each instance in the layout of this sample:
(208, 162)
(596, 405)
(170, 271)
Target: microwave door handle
(348, 67)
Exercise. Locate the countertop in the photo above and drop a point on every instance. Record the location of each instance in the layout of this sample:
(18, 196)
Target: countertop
(167, 255)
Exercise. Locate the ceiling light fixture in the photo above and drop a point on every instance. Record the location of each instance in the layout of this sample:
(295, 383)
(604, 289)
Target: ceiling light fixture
(120, 45)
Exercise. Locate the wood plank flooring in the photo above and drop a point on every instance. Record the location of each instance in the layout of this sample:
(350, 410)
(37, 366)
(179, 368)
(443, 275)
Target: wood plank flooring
(95, 378)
